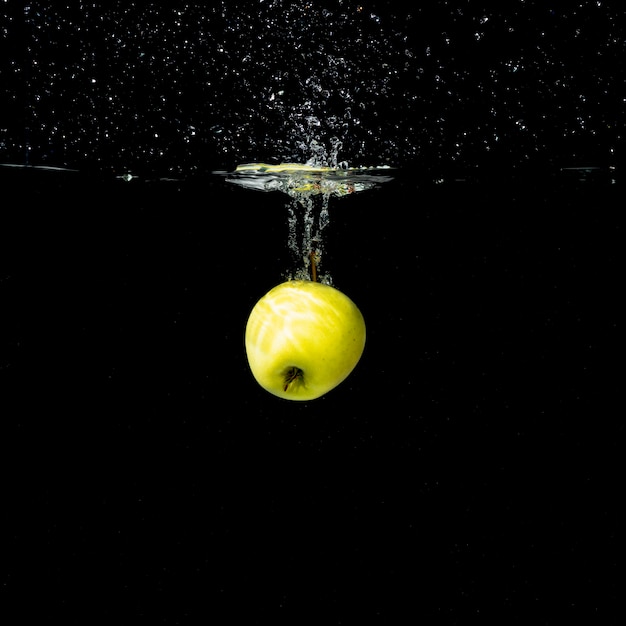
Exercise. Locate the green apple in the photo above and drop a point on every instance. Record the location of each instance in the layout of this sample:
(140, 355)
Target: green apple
(303, 338)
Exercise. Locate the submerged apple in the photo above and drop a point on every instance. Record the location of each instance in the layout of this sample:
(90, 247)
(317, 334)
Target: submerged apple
(303, 338)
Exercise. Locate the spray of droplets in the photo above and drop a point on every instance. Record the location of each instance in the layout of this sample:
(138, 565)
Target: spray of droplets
(133, 86)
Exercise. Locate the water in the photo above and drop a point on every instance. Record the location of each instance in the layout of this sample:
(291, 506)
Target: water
(148, 478)
(183, 90)
(310, 178)
(309, 187)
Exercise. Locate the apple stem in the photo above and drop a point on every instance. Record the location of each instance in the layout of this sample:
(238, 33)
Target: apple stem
(312, 257)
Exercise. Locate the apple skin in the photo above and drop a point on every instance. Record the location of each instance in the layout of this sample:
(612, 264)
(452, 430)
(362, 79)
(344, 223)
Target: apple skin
(303, 338)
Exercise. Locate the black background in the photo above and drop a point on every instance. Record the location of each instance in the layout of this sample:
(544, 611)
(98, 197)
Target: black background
(468, 469)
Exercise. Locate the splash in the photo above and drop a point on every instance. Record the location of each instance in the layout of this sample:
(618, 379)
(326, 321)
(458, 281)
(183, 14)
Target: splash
(308, 217)
(308, 178)
(169, 91)
(309, 187)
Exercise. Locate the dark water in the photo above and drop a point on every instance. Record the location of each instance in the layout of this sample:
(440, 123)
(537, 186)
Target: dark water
(470, 464)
